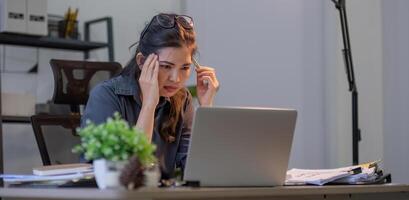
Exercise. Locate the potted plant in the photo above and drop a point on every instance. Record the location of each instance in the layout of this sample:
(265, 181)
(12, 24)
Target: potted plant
(110, 145)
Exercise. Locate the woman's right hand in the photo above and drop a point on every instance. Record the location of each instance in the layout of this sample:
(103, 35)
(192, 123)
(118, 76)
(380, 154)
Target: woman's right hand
(148, 82)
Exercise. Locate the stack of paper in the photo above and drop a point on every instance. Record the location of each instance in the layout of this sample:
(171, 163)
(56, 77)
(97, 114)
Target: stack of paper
(347, 175)
(66, 172)
(316, 176)
(19, 178)
(367, 175)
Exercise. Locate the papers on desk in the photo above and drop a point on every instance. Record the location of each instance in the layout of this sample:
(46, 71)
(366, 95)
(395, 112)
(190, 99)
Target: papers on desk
(65, 172)
(19, 178)
(367, 175)
(347, 175)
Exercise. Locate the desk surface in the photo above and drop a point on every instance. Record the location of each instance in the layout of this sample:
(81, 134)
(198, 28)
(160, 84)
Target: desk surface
(389, 191)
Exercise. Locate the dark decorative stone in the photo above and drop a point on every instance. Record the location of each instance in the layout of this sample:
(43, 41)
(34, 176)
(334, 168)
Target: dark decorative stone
(132, 176)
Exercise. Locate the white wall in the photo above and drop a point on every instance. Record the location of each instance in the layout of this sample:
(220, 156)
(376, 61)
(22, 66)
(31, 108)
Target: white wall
(288, 54)
(268, 53)
(396, 93)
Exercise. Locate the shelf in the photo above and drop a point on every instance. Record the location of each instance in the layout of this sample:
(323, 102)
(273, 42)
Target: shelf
(49, 42)
(15, 119)
(54, 43)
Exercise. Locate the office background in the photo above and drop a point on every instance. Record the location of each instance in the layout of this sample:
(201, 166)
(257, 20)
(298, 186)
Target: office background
(275, 53)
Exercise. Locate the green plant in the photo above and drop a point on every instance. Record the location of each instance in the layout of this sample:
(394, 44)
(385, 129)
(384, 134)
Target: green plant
(192, 90)
(114, 140)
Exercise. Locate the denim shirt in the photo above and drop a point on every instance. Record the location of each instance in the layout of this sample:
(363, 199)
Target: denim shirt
(122, 94)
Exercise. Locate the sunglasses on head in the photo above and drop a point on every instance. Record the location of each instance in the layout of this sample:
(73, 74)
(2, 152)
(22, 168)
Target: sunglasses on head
(169, 21)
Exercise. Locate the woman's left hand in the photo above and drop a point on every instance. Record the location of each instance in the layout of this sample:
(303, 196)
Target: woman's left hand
(207, 85)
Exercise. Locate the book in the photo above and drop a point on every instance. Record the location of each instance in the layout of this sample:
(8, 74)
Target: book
(62, 169)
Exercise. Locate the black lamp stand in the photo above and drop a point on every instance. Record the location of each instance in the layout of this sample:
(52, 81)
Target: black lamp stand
(356, 132)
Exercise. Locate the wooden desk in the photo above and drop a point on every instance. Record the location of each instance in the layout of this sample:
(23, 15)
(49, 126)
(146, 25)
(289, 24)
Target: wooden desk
(373, 192)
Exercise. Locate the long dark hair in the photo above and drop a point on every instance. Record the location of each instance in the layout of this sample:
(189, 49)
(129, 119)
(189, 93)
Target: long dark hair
(154, 37)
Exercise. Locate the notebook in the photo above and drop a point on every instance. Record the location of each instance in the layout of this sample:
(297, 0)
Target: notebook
(62, 169)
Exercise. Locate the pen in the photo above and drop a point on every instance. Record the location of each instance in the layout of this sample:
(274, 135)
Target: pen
(197, 66)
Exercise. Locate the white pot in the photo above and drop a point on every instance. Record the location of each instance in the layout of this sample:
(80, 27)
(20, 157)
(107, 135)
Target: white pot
(152, 176)
(107, 173)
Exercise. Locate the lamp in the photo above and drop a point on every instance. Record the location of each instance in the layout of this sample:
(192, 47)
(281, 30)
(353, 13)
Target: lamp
(356, 132)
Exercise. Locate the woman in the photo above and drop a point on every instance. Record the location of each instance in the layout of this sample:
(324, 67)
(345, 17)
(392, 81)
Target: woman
(150, 91)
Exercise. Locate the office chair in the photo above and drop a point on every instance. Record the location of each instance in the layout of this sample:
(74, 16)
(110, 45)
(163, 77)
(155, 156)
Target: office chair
(48, 134)
(73, 80)
(72, 83)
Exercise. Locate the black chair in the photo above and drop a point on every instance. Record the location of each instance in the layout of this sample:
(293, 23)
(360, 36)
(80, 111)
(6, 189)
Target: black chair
(44, 125)
(73, 81)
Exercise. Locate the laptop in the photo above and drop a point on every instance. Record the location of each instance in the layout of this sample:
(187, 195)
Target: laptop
(240, 146)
